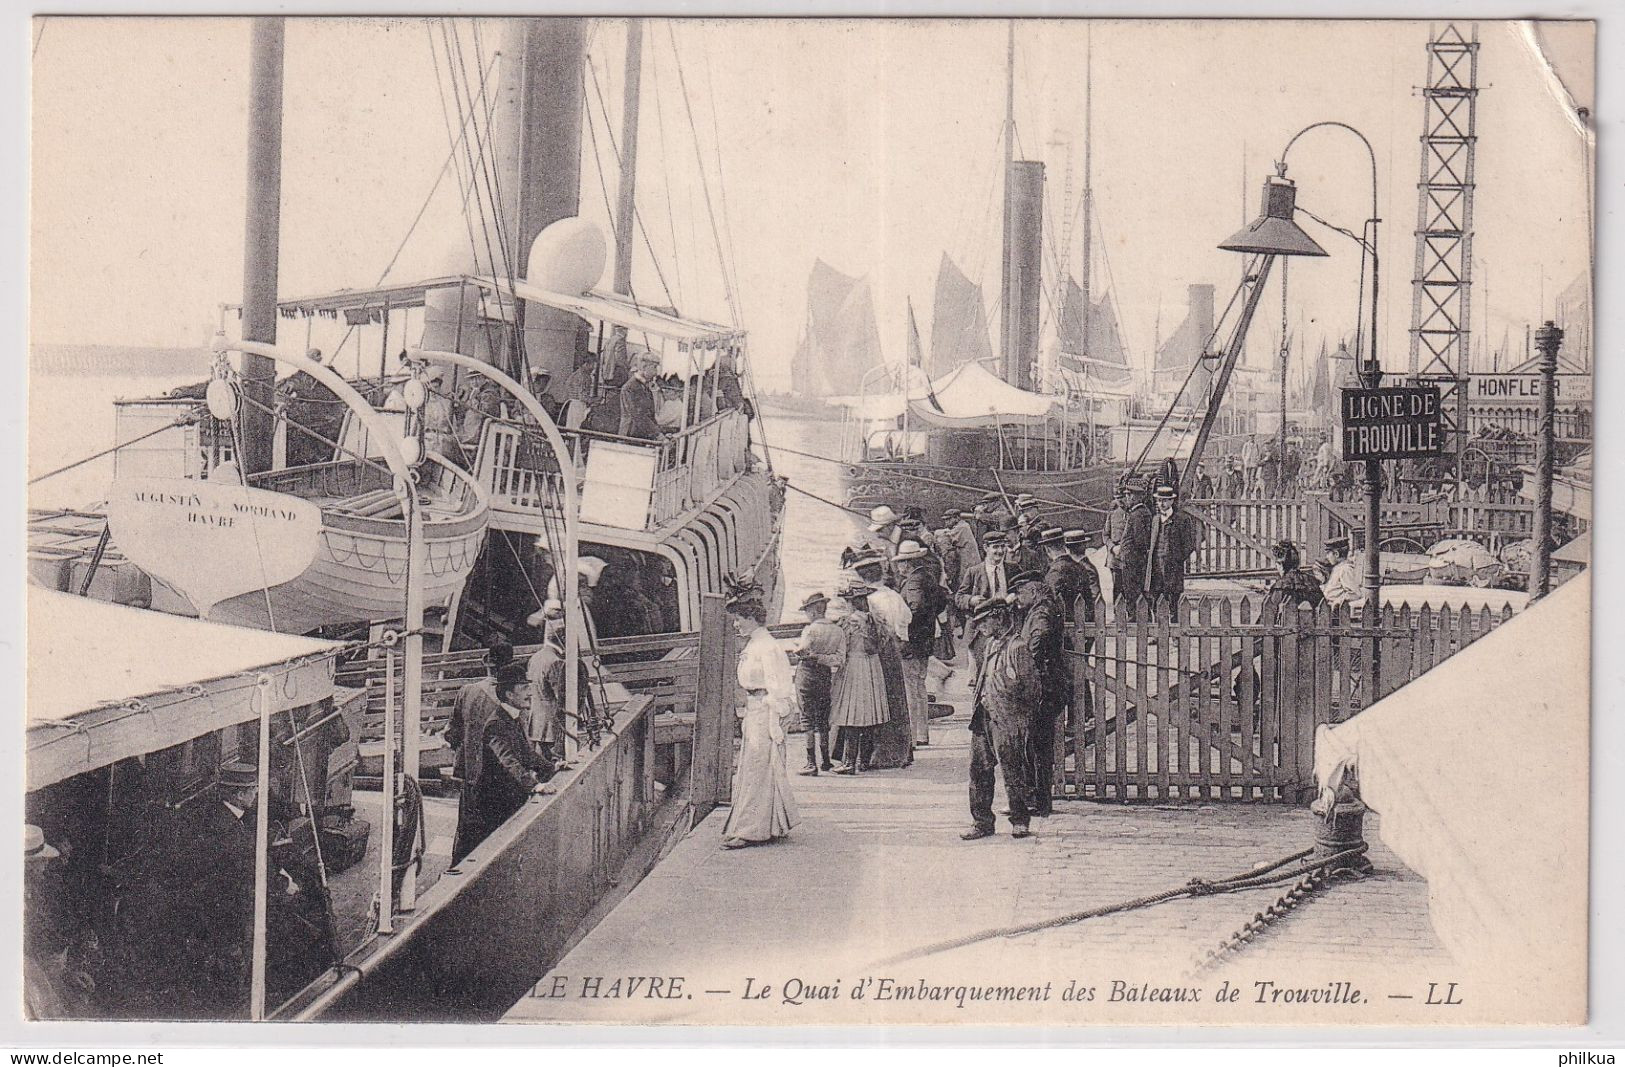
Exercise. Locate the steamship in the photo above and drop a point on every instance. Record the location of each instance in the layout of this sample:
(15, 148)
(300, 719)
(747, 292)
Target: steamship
(661, 522)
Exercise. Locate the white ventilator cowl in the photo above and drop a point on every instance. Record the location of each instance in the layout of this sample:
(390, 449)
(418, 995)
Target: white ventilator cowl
(568, 256)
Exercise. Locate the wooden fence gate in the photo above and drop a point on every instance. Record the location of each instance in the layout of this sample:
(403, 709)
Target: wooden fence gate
(1217, 705)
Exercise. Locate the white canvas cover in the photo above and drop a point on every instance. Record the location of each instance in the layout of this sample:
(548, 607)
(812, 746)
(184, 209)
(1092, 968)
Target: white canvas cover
(1479, 773)
(107, 682)
(971, 396)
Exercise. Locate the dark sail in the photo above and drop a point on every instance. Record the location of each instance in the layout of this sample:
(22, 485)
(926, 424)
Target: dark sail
(959, 330)
(842, 340)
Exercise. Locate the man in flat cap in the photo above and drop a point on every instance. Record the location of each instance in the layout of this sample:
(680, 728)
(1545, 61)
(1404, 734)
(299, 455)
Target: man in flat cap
(1006, 690)
(979, 584)
(1043, 632)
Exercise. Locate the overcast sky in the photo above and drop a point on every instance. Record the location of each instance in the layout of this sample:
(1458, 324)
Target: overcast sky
(872, 145)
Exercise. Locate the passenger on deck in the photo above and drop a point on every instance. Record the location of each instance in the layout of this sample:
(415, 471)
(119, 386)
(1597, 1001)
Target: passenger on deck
(669, 412)
(503, 769)
(541, 381)
(310, 406)
(476, 702)
(545, 671)
(761, 806)
(638, 403)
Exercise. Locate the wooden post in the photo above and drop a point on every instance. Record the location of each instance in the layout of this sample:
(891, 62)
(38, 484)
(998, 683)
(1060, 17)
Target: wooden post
(1316, 525)
(710, 704)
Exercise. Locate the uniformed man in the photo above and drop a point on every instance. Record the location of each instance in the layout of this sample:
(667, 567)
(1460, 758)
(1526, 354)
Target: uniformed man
(1128, 535)
(1006, 691)
(1175, 535)
(1043, 633)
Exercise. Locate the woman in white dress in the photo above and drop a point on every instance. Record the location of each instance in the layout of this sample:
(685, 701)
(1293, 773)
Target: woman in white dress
(762, 808)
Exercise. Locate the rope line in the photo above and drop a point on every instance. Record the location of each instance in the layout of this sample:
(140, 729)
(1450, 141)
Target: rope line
(1196, 887)
(184, 420)
(1068, 505)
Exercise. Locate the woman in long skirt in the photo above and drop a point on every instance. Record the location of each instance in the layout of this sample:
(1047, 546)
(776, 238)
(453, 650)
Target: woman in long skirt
(762, 807)
(858, 699)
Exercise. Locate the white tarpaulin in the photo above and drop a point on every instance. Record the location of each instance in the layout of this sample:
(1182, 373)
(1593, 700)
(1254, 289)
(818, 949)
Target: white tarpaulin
(1479, 772)
(971, 395)
(107, 682)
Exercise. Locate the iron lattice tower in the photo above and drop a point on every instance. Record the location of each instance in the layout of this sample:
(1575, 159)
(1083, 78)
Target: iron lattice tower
(1441, 287)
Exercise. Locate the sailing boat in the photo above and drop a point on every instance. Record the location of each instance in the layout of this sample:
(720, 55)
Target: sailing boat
(989, 424)
(839, 346)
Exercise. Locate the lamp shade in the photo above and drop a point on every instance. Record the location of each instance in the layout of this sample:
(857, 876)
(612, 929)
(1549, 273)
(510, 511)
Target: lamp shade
(1275, 232)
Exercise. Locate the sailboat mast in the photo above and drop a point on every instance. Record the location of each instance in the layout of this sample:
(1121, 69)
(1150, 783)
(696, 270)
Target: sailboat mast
(261, 240)
(1088, 190)
(626, 208)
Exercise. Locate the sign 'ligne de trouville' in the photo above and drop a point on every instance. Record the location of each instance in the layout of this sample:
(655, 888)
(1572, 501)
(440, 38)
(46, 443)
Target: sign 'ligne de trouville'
(1393, 423)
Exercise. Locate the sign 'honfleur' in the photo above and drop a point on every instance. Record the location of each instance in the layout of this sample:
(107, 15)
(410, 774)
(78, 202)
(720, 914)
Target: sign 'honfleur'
(1393, 423)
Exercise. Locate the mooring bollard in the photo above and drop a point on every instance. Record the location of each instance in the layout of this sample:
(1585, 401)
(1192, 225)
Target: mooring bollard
(1341, 826)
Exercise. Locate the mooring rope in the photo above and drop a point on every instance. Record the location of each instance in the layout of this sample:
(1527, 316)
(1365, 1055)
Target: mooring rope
(182, 421)
(1196, 887)
(1069, 505)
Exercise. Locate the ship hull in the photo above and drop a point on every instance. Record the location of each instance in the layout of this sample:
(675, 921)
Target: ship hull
(1076, 499)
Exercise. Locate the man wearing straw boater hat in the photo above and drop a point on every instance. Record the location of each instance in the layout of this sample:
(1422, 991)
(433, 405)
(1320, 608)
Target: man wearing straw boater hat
(1175, 536)
(821, 650)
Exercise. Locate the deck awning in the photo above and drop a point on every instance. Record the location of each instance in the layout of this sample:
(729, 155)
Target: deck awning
(108, 682)
(619, 311)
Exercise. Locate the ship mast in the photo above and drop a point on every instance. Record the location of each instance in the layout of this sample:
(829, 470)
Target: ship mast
(261, 242)
(1007, 314)
(626, 206)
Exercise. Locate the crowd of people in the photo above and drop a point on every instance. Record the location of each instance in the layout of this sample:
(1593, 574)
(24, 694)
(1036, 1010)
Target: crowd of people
(996, 584)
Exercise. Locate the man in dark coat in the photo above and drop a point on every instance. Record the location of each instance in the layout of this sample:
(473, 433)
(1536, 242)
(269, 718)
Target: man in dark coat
(920, 584)
(638, 403)
(1006, 692)
(1128, 536)
(1063, 574)
(475, 703)
(503, 770)
(310, 405)
(1043, 633)
(1175, 535)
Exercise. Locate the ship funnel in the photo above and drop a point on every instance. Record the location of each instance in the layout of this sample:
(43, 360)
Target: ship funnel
(568, 256)
(1275, 232)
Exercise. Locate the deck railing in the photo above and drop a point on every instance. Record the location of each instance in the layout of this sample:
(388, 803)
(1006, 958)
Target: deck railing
(689, 467)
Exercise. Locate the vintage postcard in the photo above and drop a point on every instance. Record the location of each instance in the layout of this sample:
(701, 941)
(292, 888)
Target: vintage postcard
(809, 521)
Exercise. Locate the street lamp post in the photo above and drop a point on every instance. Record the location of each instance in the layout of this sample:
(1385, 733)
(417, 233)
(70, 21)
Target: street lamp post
(1548, 339)
(1370, 368)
